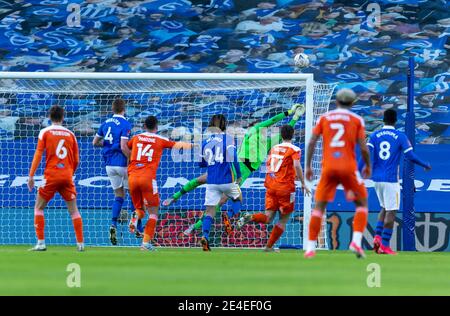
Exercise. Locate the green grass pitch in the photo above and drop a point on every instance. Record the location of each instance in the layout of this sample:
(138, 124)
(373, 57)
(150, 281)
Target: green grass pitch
(128, 271)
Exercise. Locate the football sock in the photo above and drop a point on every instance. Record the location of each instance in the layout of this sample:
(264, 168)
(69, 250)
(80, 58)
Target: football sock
(199, 223)
(379, 228)
(314, 229)
(277, 231)
(260, 218)
(236, 209)
(139, 226)
(191, 185)
(116, 208)
(386, 236)
(149, 231)
(78, 226)
(359, 224)
(39, 224)
(206, 227)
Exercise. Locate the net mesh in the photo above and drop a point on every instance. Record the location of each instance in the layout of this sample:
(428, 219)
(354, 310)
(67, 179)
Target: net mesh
(183, 108)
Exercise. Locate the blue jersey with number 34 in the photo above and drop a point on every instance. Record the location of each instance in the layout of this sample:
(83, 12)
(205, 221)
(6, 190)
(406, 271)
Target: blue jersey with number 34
(387, 146)
(112, 131)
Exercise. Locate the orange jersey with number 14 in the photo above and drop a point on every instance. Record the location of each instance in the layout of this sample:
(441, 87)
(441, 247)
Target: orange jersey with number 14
(146, 152)
(340, 130)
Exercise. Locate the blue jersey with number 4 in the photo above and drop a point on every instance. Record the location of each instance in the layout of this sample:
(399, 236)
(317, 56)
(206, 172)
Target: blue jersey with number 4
(387, 146)
(112, 131)
(219, 155)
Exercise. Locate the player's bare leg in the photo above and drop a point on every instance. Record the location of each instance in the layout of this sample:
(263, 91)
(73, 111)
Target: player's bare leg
(388, 228)
(262, 218)
(379, 230)
(39, 223)
(150, 227)
(191, 185)
(277, 231)
(359, 225)
(77, 223)
(315, 224)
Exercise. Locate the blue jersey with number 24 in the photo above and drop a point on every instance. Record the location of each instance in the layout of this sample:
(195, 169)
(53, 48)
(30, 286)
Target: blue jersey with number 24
(112, 131)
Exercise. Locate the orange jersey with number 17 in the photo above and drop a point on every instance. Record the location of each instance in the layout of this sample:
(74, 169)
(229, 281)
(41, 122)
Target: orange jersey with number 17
(340, 130)
(280, 167)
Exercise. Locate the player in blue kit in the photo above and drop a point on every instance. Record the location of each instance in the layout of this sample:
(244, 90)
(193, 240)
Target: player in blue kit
(219, 155)
(113, 136)
(386, 147)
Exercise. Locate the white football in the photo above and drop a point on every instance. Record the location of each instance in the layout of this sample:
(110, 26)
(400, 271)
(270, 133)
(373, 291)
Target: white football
(301, 60)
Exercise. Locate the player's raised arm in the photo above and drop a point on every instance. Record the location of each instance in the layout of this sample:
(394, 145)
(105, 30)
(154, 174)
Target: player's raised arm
(278, 117)
(183, 145)
(411, 155)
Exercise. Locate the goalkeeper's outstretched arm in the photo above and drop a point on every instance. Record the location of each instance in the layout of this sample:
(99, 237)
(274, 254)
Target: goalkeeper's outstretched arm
(279, 117)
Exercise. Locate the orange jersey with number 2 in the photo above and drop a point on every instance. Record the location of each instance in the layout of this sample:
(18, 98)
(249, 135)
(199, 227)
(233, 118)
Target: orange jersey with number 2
(340, 130)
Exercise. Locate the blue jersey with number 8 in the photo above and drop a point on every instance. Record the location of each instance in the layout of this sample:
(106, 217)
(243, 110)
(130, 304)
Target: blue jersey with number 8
(112, 131)
(387, 146)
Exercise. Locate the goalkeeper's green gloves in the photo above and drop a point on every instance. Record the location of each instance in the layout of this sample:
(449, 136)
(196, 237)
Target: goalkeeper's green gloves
(294, 108)
(299, 112)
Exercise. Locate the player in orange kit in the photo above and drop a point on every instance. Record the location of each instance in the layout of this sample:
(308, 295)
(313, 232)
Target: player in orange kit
(146, 151)
(283, 168)
(341, 130)
(61, 162)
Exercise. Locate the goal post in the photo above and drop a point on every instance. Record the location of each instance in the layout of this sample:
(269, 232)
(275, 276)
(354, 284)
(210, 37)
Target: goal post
(183, 103)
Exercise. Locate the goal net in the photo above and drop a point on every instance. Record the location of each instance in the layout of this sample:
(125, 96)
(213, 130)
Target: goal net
(183, 104)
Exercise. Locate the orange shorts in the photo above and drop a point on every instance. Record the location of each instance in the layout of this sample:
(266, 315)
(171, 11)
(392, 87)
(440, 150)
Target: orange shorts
(351, 181)
(280, 201)
(64, 186)
(144, 192)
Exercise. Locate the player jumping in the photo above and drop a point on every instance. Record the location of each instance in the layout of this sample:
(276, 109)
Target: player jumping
(146, 151)
(113, 136)
(219, 155)
(341, 130)
(386, 147)
(61, 162)
(251, 153)
(283, 168)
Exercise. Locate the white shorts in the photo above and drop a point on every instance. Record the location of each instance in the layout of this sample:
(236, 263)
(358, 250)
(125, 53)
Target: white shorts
(214, 192)
(389, 195)
(118, 176)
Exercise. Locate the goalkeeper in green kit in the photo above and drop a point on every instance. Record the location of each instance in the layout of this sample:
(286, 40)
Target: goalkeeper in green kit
(252, 153)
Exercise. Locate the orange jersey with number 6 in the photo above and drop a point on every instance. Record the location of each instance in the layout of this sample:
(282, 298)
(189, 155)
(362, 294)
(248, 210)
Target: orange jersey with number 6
(61, 151)
(280, 167)
(340, 130)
